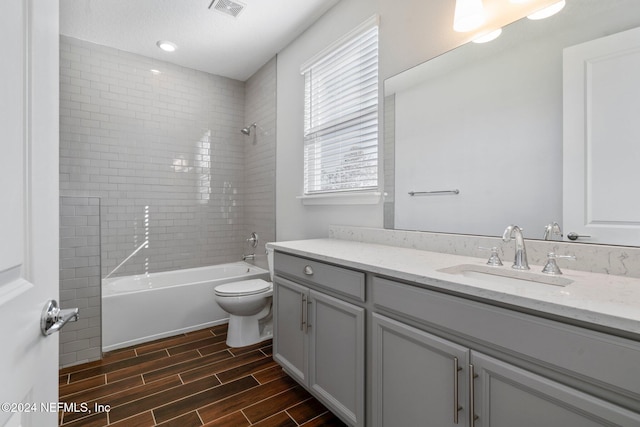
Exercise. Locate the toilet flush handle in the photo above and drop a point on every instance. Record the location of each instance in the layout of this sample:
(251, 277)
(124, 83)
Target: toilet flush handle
(308, 270)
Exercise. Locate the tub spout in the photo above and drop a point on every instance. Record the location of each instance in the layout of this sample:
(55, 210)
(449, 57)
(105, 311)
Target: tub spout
(248, 257)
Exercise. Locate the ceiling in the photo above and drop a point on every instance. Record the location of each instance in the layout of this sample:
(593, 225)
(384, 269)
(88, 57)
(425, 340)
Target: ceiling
(207, 40)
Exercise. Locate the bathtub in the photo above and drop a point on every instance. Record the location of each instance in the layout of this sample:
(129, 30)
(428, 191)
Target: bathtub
(146, 307)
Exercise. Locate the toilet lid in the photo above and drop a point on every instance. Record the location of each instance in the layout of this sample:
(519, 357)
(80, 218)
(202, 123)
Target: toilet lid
(244, 287)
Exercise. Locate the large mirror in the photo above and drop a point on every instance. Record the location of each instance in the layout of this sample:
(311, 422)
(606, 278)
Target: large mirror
(476, 134)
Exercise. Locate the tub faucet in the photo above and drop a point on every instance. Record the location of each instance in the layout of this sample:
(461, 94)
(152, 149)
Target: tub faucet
(520, 259)
(248, 257)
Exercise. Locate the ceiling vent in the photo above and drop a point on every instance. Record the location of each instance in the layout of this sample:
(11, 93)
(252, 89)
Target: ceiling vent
(228, 7)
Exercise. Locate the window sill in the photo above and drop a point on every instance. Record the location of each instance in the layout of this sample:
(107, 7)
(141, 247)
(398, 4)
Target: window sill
(346, 198)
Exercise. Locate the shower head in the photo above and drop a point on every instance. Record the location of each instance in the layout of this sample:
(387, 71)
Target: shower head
(247, 130)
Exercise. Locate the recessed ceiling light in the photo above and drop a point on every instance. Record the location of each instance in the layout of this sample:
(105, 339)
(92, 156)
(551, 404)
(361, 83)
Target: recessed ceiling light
(166, 45)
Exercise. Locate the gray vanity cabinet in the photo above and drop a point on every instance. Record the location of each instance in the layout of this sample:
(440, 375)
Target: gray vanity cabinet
(437, 359)
(422, 379)
(500, 394)
(506, 396)
(290, 340)
(418, 379)
(336, 355)
(319, 338)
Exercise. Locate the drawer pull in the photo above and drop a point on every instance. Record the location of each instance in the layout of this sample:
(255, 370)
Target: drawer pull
(308, 270)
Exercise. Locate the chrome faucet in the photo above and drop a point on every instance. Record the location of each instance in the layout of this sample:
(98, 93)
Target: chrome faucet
(552, 229)
(520, 259)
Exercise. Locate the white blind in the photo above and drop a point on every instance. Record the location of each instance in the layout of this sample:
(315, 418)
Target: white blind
(341, 117)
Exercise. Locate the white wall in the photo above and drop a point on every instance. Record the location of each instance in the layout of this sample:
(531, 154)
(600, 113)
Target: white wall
(293, 220)
(411, 31)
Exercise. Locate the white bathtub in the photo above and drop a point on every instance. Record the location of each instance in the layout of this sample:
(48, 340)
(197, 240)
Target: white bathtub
(146, 307)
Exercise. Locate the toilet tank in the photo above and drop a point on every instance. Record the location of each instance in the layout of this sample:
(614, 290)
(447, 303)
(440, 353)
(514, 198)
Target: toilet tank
(269, 250)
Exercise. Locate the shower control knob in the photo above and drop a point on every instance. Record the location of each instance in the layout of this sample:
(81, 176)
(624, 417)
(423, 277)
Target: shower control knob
(253, 239)
(574, 236)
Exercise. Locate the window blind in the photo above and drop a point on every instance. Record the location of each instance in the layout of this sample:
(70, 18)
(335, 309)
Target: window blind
(341, 117)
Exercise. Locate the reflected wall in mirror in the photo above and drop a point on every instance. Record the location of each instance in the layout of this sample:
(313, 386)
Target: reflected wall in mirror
(488, 120)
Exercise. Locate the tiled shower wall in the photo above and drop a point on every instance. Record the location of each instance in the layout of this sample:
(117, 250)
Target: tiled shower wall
(163, 154)
(260, 159)
(80, 278)
(162, 150)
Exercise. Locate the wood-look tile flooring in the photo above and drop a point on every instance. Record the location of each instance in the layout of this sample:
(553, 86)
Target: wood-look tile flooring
(188, 380)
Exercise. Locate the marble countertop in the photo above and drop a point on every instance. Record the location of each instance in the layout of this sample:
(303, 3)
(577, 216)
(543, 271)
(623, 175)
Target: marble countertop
(601, 300)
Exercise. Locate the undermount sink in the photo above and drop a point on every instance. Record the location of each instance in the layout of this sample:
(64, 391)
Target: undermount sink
(504, 275)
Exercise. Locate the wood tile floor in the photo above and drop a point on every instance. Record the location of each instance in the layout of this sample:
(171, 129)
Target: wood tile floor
(188, 380)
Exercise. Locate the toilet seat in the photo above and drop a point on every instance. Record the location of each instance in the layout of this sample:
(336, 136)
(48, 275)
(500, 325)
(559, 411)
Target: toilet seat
(243, 288)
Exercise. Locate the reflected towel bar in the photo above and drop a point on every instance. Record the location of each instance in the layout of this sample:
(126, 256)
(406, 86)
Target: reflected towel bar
(431, 193)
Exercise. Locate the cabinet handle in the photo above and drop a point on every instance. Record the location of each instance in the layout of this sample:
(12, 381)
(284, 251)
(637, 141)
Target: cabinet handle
(303, 306)
(308, 270)
(307, 324)
(456, 404)
(472, 407)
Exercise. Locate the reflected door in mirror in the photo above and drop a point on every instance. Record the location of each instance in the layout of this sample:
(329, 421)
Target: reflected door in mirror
(601, 139)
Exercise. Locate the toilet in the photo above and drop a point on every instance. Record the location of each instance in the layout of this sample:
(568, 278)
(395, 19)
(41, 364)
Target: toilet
(249, 304)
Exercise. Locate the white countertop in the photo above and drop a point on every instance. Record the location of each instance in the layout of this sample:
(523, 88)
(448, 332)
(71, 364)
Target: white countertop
(598, 299)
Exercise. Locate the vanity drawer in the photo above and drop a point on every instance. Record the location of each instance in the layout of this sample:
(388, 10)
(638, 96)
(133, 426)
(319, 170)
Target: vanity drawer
(339, 279)
(571, 348)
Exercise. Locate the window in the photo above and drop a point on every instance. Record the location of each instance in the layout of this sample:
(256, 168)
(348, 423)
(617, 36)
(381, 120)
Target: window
(341, 115)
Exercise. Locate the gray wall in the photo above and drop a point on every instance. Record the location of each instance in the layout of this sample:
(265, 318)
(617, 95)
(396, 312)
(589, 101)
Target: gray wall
(163, 152)
(80, 278)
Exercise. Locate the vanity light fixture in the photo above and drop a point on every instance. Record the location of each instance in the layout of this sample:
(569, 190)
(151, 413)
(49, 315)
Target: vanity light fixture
(166, 45)
(468, 15)
(484, 38)
(548, 11)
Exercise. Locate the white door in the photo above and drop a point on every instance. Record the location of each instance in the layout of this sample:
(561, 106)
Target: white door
(28, 210)
(601, 155)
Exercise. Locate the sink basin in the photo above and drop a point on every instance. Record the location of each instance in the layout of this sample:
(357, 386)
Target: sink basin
(504, 275)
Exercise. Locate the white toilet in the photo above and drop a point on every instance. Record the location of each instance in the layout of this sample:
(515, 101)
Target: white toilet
(249, 304)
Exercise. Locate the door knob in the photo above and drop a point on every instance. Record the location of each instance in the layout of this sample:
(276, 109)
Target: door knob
(53, 318)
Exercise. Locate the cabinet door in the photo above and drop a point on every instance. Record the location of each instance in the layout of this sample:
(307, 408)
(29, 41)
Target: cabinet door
(289, 326)
(507, 396)
(336, 356)
(419, 379)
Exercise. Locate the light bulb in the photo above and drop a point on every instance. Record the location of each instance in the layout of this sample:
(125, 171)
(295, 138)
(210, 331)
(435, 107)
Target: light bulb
(488, 36)
(548, 11)
(469, 15)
